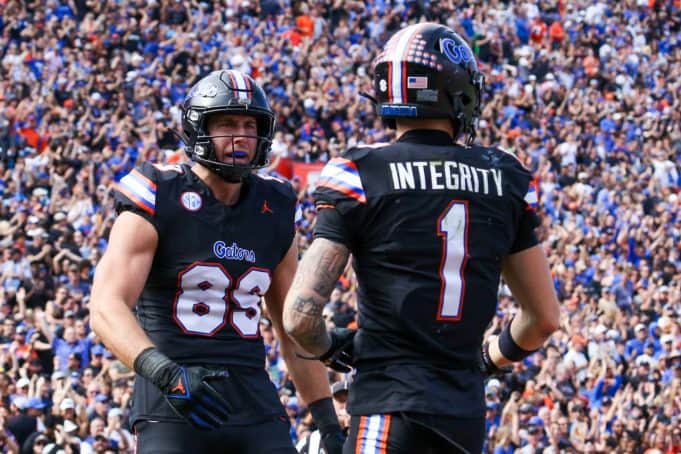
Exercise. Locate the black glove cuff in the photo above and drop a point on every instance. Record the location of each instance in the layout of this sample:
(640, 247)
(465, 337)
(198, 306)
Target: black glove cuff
(324, 415)
(155, 367)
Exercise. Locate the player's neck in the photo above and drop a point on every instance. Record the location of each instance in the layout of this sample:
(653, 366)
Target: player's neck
(438, 124)
(225, 192)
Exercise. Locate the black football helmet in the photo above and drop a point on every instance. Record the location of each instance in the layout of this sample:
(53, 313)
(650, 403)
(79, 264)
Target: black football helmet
(230, 92)
(428, 71)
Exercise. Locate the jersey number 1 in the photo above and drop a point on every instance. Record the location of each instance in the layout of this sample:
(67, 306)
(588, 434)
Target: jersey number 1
(452, 226)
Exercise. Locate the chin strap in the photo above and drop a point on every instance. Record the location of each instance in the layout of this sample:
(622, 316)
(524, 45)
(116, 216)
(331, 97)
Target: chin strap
(368, 96)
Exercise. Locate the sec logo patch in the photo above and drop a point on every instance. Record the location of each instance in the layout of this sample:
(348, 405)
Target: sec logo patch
(191, 201)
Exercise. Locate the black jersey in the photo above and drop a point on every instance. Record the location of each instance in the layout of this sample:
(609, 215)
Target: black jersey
(213, 262)
(428, 223)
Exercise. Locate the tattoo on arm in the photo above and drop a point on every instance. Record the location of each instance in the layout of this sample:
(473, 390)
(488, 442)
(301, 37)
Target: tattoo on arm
(310, 329)
(324, 265)
(307, 306)
(317, 274)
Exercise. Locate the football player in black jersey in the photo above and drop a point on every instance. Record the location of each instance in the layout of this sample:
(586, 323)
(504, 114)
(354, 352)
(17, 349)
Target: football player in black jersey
(194, 250)
(431, 224)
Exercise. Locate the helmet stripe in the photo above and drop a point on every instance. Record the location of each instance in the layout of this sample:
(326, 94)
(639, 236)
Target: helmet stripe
(241, 85)
(399, 71)
(249, 88)
(390, 82)
(405, 76)
(232, 79)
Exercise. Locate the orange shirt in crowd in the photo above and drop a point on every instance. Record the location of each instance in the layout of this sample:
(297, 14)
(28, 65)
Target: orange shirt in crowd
(33, 139)
(556, 32)
(305, 25)
(590, 65)
(538, 31)
(294, 36)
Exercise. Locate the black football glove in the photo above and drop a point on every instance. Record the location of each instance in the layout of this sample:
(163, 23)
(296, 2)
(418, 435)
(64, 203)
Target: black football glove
(333, 442)
(186, 389)
(339, 356)
(324, 416)
(487, 366)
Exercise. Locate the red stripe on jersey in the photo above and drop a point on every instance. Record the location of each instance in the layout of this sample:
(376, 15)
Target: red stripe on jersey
(136, 200)
(144, 180)
(349, 192)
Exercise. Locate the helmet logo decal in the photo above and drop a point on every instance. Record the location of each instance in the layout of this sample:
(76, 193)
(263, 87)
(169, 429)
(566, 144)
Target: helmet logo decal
(191, 201)
(457, 53)
(382, 85)
(206, 90)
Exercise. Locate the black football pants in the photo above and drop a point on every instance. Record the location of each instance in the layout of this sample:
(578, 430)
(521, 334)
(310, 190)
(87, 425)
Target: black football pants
(409, 433)
(271, 436)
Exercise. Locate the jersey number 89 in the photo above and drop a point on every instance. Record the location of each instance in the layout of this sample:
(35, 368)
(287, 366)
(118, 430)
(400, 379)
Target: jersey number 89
(201, 304)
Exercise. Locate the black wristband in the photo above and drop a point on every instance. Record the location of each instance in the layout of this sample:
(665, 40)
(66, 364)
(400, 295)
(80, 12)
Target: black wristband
(509, 348)
(154, 366)
(488, 366)
(324, 415)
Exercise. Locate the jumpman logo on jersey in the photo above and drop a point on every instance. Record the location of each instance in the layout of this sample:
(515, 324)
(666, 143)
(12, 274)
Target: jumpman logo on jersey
(266, 208)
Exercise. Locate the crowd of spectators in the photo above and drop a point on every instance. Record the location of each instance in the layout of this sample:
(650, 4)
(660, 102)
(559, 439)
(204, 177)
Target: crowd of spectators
(585, 92)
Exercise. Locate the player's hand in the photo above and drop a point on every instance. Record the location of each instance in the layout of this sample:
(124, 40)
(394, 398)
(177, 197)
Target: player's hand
(487, 366)
(333, 442)
(339, 356)
(186, 388)
(191, 396)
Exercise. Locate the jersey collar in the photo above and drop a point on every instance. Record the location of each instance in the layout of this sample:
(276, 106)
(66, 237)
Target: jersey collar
(426, 137)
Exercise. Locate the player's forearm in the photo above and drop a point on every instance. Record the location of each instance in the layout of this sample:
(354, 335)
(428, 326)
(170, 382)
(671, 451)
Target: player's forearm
(115, 324)
(304, 322)
(310, 377)
(317, 274)
(528, 275)
(528, 331)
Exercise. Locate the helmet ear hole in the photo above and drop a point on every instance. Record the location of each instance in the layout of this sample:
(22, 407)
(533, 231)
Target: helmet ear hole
(466, 99)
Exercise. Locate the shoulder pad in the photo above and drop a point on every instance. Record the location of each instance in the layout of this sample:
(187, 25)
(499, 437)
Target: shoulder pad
(279, 185)
(341, 175)
(359, 151)
(373, 145)
(509, 154)
(138, 188)
(172, 168)
(166, 172)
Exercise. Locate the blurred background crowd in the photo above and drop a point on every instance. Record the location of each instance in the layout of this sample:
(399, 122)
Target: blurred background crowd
(585, 92)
